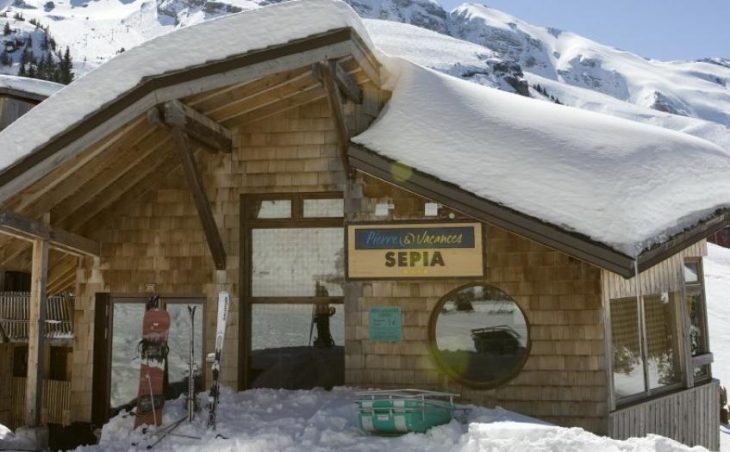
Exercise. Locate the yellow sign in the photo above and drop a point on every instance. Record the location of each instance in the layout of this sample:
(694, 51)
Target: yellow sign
(404, 250)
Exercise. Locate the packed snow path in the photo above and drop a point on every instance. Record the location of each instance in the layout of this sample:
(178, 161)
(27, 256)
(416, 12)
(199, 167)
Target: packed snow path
(279, 420)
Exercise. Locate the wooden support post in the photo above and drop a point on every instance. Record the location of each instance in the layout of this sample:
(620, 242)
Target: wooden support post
(327, 72)
(36, 334)
(195, 183)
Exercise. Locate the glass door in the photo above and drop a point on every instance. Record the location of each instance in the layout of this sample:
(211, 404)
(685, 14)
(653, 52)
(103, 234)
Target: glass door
(126, 317)
(293, 312)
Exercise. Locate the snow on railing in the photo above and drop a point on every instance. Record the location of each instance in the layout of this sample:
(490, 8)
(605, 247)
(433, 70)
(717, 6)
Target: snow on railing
(15, 311)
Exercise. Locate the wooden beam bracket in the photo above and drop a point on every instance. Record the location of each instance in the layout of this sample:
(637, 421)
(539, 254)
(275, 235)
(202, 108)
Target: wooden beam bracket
(345, 83)
(198, 126)
(17, 225)
(195, 183)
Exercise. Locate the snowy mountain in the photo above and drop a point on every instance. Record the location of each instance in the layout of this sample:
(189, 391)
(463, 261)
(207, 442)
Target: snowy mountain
(473, 41)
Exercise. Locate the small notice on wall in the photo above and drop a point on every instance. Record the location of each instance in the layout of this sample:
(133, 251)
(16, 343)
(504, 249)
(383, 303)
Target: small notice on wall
(401, 251)
(384, 323)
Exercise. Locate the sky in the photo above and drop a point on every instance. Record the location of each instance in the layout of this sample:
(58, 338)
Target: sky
(661, 29)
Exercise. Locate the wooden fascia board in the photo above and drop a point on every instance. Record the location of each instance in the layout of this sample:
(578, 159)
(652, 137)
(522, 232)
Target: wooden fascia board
(26, 228)
(31, 98)
(653, 256)
(195, 183)
(456, 198)
(159, 89)
(198, 126)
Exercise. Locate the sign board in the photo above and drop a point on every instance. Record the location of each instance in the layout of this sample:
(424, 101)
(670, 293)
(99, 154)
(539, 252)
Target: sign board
(384, 323)
(427, 250)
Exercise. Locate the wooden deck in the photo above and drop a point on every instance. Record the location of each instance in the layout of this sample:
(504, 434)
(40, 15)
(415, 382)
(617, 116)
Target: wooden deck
(691, 417)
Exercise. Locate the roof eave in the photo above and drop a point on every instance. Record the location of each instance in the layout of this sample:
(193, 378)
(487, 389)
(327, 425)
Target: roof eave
(656, 254)
(571, 243)
(174, 85)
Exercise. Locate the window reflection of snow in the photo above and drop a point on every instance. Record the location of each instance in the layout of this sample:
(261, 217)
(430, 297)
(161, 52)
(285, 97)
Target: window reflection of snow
(304, 262)
(275, 326)
(481, 335)
(127, 332)
(280, 208)
(179, 342)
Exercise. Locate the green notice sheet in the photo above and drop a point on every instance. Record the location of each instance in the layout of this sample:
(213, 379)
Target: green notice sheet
(384, 324)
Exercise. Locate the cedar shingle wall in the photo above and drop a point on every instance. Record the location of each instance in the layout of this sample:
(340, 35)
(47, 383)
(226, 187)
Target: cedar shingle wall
(563, 380)
(158, 239)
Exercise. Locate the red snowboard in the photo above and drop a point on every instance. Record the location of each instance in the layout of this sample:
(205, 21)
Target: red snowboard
(153, 350)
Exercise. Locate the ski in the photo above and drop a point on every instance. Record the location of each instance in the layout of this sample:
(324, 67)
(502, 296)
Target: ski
(223, 301)
(153, 352)
(191, 368)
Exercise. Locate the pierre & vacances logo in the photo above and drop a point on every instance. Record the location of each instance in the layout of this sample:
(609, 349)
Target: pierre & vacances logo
(424, 244)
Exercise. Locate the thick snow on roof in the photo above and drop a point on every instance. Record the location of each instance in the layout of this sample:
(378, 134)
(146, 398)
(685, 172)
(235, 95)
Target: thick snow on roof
(619, 182)
(622, 183)
(210, 41)
(29, 85)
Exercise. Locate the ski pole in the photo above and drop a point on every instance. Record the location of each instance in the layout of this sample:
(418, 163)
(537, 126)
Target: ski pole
(152, 397)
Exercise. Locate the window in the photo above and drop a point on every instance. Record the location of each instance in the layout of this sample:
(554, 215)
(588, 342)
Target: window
(645, 345)
(479, 336)
(126, 319)
(294, 271)
(696, 315)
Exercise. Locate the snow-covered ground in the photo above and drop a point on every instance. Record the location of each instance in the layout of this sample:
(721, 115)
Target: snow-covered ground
(279, 420)
(717, 286)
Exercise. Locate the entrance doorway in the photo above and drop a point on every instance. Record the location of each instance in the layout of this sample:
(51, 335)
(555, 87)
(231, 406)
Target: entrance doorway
(292, 315)
(118, 331)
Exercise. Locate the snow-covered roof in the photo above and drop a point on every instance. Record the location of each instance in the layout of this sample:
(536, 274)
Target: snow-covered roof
(619, 182)
(213, 40)
(622, 184)
(32, 86)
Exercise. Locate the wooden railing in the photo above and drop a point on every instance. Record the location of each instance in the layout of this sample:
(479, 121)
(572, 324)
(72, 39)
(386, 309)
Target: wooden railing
(15, 310)
(691, 417)
(56, 402)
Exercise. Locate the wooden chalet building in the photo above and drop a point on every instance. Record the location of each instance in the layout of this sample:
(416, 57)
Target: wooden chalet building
(257, 166)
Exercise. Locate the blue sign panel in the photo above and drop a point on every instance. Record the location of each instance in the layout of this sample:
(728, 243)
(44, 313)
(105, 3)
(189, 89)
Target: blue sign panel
(384, 324)
(414, 238)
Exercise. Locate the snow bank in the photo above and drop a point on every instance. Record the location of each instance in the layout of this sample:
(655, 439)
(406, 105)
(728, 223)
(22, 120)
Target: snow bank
(232, 35)
(29, 85)
(622, 183)
(278, 420)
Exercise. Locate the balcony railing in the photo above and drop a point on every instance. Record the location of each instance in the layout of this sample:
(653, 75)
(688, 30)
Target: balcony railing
(15, 311)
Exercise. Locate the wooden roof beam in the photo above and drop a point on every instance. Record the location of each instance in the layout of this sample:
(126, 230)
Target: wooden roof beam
(26, 228)
(345, 83)
(195, 183)
(328, 71)
(198, 126)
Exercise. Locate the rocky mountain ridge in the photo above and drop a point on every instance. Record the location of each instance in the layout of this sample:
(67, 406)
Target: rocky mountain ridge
(503, 51)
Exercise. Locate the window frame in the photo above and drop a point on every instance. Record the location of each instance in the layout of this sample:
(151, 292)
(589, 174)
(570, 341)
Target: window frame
(297, 220)
(166, 299)
(675, 298)
(706, 358)
(445, 369)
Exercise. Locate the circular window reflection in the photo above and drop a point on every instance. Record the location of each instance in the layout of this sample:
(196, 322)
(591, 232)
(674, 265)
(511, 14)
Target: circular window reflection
(479, 335)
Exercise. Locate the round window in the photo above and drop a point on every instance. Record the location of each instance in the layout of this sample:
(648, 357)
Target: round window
(479, 335)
